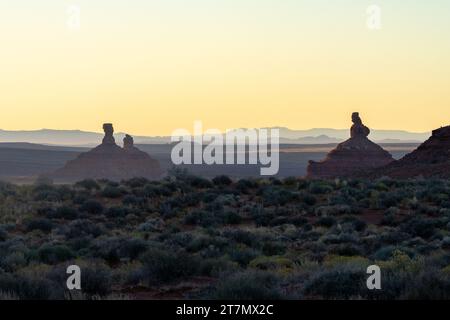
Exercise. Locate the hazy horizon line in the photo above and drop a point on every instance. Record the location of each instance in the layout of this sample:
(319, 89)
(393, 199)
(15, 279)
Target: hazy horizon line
(224, 131)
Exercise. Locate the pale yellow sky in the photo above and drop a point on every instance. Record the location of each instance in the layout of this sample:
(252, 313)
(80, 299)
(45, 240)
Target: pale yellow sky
(154, 66)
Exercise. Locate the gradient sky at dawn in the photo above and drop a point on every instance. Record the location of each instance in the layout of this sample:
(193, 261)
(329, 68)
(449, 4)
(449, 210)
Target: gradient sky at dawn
(151, 66)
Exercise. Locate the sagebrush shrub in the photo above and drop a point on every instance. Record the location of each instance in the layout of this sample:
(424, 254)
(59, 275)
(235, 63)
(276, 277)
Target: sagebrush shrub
(52, 254)
(163, 266)
(92, 207)
(222, 180)
(43, 225)
(341, 282)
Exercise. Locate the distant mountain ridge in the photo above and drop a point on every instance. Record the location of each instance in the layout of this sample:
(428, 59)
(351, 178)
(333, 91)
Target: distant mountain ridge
(288, 136)
(76, 138)
(343, 134)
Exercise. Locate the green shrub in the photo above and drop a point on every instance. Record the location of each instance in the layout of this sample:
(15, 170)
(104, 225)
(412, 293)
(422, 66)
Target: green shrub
(278, 197)
(47, 194)
(341, 282)
(44, 225)
(151, 191)
(202, 242)
(28, 288)
(3, 234)
(151, 225)
(319, 187)
(96, 280)
(273, 248)
(298, 221)
(117, 212)
(92, 207)
(290, 181)
(133, 248)
(419, 227)
(111, 192)
(164, 266)
(136, 182)
(231, 217)
(52, 254)
(271, 263)
(359, 225)
(132, 200)
(326, 222)
(242, 236)
(222, 180)
(428, 285)
(67, 213)
(217, 267)
(245, 185)
(200, 183)
(243, 255)
(386, 253)
(88, 184)
(347, 249)
(389, 199)
(202, 218)
(308, 199)
(82, 228)
(13, 261)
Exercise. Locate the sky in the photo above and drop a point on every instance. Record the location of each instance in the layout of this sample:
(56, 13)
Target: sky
(153, 66)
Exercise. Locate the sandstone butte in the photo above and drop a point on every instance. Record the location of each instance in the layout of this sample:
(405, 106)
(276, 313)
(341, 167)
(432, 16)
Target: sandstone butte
(109, 161)
(353, 157)
(430, 160)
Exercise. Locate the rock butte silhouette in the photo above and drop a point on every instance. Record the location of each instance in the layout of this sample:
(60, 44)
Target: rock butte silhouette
(352, 157)
(109, 161)
(430, 159)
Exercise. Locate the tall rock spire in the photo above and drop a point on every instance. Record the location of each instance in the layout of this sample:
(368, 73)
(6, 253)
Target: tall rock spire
(353, 157)
(128, 142)
(358, 130)
(109, 134)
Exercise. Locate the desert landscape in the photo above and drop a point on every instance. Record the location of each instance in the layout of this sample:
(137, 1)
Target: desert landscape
(157, 231)
(219, 158)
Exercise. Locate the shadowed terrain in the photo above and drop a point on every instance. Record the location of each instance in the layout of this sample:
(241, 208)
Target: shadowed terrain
(186, 237)
(23, 162)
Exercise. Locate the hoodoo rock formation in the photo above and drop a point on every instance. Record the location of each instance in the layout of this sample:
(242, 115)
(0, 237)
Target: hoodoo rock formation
(109, 134)
(128, 143)
(430, 159)
(109, 161)
(352, 157)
